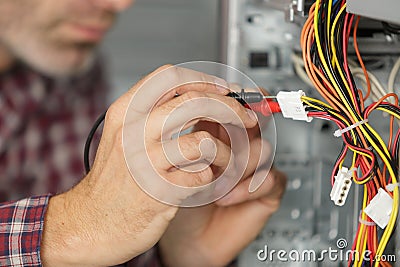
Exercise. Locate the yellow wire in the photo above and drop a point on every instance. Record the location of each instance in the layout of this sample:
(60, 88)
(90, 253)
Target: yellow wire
(335, 60)
(364, 245)
(328, 23)
(389, 227)
(390, 112)
(322, 58)
(384, 153)
(362, 228)
(365, 155)
(306, 98)
(341, 117)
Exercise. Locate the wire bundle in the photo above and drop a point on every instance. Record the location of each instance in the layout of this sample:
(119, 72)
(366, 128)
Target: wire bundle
(324, 42)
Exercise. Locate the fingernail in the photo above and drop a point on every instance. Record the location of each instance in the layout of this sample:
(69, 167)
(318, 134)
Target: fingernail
(251, 114)
(221, 85)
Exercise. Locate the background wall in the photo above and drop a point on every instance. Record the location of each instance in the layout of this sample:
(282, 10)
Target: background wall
(156, 32)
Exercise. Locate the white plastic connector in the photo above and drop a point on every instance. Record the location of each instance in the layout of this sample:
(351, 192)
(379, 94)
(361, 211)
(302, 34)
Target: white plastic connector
(341, 187)
(391, 187)
(380, 208)
(292, 106)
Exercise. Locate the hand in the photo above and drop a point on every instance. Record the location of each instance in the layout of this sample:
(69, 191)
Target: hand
(107, 219)
(214, 235)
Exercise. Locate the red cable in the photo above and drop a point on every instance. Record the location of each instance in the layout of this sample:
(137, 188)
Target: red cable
(265, 107)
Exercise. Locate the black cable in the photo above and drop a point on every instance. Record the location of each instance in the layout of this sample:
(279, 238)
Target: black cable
(390, 28)
(89, 141)
(242, 97)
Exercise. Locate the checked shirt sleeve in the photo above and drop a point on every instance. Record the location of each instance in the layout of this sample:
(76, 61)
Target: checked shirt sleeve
(21, 225)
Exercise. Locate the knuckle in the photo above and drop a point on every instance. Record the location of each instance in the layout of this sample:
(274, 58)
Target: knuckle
(162, 68)
(204, 77)
(118, 141)
(175, 73)
(202, 177)
(235, 106)
(112, 113)
(202, 135)
(165, 66)
(154, 154)
(191, 95)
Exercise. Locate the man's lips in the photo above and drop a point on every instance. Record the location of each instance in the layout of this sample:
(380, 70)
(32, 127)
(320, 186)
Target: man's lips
(88, 32)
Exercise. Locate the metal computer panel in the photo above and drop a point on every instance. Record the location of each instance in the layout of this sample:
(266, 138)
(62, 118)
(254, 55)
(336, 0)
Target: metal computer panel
(306, 222)
(260, 41)
(386, 10)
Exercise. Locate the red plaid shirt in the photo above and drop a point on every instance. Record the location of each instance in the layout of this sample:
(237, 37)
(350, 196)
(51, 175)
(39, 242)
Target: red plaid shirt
(43, 127)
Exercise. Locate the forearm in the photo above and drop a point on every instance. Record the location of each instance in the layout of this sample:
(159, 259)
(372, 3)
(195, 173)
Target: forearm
(90, 226)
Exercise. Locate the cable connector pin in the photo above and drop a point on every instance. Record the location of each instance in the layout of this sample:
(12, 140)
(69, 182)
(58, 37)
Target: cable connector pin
(341, 187)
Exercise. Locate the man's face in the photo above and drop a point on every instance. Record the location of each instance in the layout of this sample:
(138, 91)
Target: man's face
(57, 37)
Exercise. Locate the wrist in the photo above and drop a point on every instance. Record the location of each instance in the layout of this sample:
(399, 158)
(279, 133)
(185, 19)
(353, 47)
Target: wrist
(65, 238)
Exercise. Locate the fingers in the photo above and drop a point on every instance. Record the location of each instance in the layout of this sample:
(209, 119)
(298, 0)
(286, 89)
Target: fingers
(162, 85)
(189, 150)
(172, 80)
(218, 86)
(260, 153)
(269, 193)
(191, 179)
(207, 106)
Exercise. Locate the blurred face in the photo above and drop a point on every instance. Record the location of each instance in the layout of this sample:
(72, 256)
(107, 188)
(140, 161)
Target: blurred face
(56, 37)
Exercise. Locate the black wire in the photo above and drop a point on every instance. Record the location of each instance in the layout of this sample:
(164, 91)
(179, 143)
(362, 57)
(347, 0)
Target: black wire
(394, 109)
(89, 141)
(340, 58)
(390, 28)
(333, 113)
(350, 79)
(396, 156)
(324, 39)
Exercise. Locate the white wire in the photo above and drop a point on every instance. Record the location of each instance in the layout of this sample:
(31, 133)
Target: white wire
(302, 74)
(374, 89)
(297, 59)
(377, 88)
(299, 69)
(393, 74)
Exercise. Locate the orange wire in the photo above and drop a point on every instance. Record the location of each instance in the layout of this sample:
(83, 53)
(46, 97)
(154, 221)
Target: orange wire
(325, 88)
(307, 37)
(360, 59)
(383, 179)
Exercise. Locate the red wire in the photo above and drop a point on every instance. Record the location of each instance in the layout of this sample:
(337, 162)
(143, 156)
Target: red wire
(353, 248)
(346, 36)
(366, 151)
(265, 107)
(395, 142)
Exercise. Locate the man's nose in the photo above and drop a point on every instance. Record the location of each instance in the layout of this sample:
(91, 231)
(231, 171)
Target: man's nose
(113, 5)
